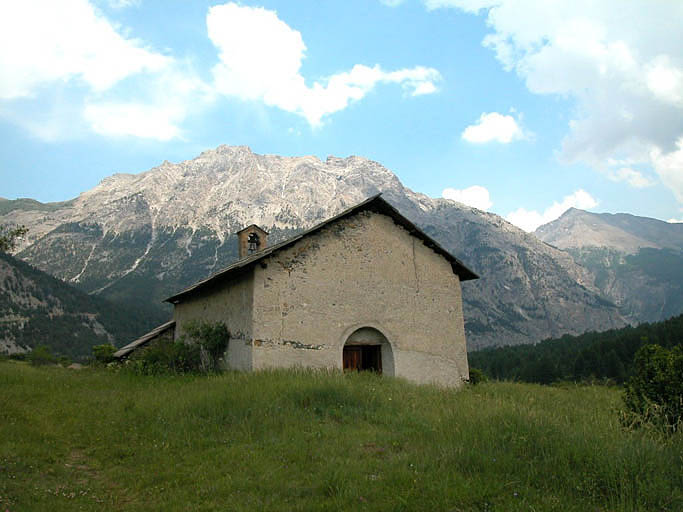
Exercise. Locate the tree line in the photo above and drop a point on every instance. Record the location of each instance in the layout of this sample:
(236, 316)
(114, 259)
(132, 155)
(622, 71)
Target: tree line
(604, 355)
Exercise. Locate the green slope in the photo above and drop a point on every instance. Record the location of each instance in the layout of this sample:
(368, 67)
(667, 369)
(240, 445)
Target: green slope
(306, 441)
(38, 309)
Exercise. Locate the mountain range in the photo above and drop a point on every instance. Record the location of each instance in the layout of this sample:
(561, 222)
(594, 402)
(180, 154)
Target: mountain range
(635, 262)
(138, 238)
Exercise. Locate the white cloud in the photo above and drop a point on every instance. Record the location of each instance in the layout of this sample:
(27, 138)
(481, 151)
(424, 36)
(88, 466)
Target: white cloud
(529, 220)
(676, 221)
(669, 166)
(622, 63)
(117, 85)
(634, 178)
(493, 127)
(475, 196)
(156, 111)
(665, 80)
(122, 4)
(466, 5)
(261, 56)
(136, 119)
(43, 42)
(73, 70)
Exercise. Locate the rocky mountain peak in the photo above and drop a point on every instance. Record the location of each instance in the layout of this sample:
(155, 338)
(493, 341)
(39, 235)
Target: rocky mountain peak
(225, 149)
(577, 229)
(150, 234)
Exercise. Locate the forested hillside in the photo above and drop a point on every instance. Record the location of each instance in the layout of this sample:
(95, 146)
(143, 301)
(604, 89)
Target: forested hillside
(603, 355)
(38, 309)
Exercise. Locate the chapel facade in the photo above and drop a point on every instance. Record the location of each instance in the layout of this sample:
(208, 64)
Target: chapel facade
(364, 290)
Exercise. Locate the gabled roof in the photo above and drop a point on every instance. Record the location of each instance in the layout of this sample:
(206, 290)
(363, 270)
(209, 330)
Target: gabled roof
(375, 204)
(253, 226)
(144, 339)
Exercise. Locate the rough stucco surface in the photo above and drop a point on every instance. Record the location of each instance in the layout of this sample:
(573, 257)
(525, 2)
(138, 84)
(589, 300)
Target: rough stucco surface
(362, 271)
(230, 303)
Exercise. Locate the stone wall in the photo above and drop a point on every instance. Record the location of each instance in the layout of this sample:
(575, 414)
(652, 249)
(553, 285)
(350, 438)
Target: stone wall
(362, 271)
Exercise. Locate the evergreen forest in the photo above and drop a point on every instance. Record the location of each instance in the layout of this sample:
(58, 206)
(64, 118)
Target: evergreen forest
(603, 356)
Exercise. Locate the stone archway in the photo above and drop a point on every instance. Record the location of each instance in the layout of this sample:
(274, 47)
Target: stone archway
(368, 349)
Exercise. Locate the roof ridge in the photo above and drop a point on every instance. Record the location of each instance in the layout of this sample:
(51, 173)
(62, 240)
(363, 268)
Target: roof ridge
(457, 266)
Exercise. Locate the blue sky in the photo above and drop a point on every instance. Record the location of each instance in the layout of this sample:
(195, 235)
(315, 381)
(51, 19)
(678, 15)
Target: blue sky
(520, 107)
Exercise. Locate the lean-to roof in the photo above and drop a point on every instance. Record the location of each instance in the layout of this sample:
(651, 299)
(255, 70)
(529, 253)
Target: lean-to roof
(375, 204)
(144, 339)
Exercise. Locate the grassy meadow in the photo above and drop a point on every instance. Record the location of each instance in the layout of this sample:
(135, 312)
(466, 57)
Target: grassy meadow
(301, 440)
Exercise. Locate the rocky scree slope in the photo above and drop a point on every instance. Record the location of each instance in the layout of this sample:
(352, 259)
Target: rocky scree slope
(140, 238)
(636, 262)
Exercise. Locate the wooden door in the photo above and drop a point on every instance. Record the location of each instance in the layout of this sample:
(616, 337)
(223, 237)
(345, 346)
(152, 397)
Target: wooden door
(352, 358)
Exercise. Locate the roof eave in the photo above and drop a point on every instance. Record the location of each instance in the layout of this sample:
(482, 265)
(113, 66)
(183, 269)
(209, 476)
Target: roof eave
(380, 206)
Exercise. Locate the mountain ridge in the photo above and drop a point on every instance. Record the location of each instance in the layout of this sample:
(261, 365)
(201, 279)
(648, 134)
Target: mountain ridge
(625, 232)
(636, 262)
(140, 238)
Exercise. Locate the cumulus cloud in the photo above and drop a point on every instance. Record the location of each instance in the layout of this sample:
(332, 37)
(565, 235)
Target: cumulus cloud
(157, 109)
(622, 63)
(475, 196)
(493, 127)
(529, 220)
(669, 166)
(44, 42)
(73, 70)
(634, 178)
(136, 119)
(260, 58)
(85, 74)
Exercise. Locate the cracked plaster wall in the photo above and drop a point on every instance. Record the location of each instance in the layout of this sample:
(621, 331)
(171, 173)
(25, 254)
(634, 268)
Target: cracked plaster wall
(362, 271)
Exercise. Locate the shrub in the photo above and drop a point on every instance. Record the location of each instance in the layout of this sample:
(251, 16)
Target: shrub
(168, 356)
(197, 351)
(654, 395)
(103, 354)
(41, 356)
(477, 376)
(212, 339)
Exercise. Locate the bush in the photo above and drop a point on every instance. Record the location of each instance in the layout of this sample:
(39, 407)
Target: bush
(168, 356)
(103, 354)
(41, 356)
(212, 340)
(477, 376)
(199, 350)
(654, 395)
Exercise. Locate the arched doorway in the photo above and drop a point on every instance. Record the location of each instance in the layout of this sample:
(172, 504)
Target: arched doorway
(368, 349)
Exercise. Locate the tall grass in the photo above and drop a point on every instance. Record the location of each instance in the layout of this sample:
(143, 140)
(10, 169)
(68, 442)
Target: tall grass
(301, 440)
